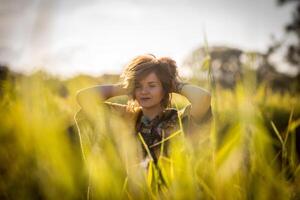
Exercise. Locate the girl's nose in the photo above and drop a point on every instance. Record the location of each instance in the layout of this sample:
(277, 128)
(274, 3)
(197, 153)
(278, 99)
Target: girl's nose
(144, 90)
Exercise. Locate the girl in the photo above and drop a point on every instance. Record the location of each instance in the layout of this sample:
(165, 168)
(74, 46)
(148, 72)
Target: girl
(149, 82)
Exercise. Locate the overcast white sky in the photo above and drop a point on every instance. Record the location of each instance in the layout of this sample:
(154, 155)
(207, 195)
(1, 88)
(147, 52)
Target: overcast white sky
(71, 36)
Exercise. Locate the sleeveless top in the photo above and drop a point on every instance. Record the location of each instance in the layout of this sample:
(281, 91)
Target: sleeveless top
(153, 133)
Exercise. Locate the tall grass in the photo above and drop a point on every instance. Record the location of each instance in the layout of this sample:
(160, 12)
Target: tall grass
(249, 152)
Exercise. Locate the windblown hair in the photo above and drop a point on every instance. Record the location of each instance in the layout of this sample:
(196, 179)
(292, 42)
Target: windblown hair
(165, 69)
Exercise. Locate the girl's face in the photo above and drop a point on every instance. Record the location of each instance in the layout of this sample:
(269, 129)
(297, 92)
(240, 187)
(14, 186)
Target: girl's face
(149, 92)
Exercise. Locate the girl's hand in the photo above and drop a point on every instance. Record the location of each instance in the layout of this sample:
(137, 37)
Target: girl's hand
(119, 89)
(178, 85)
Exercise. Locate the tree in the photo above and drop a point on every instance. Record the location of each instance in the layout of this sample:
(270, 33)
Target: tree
(293, 52)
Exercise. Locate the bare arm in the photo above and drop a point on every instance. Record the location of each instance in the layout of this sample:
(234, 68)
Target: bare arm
(88, 97)
(103, 92)
(199, 98)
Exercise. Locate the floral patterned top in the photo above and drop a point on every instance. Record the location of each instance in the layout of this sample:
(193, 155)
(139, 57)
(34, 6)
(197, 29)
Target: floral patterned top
(152, 133)
(156, 131)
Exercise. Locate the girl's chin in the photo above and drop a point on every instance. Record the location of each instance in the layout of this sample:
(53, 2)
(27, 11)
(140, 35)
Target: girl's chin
(145, 103)
(147, 106)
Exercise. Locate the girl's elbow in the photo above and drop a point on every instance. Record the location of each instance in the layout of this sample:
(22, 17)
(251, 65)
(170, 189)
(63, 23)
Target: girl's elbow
(79, 97)
(208, 98)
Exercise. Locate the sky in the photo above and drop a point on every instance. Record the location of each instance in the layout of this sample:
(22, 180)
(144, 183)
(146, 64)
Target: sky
(67, 37)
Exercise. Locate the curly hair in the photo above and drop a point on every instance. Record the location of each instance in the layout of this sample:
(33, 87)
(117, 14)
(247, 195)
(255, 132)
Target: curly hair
(164, 68)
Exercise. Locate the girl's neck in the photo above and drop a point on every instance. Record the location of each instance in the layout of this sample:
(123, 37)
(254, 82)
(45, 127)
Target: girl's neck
(152, 113)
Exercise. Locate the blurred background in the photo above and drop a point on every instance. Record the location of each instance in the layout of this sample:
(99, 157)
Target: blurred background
(246, 53)
(93, 37)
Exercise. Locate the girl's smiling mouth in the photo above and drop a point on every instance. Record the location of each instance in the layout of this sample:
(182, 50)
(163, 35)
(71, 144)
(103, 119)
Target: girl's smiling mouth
(145, 98)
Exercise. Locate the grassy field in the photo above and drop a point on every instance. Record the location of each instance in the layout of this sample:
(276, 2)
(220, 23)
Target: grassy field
(249, 152)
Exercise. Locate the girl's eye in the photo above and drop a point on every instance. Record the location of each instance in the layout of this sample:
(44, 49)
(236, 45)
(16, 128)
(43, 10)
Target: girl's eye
(152, 86)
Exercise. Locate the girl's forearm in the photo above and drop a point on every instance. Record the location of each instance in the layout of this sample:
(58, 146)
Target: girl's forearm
(199, 98)
(103, 92)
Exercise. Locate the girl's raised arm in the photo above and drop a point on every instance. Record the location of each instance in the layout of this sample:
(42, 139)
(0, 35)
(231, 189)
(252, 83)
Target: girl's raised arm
(88, 98)
(199, 98)
(103, 92)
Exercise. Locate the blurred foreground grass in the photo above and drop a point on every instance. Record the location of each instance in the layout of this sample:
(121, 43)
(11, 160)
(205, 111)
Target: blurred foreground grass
(249, 152)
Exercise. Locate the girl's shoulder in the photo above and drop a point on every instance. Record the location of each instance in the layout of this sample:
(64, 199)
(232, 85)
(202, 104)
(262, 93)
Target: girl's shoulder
(116, 107)
(122, 110)
(113, 108)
